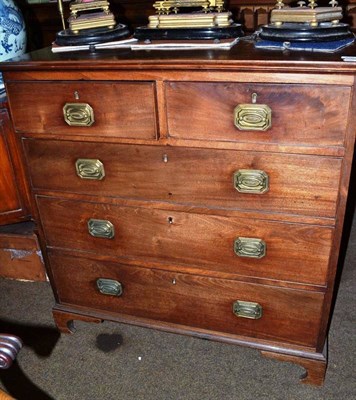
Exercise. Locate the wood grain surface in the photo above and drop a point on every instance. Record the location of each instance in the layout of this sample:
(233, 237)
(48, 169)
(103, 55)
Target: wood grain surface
(206, 241)
(301, 114)
(120, 109)
(14, 200)
(288, 315)
(305, 185)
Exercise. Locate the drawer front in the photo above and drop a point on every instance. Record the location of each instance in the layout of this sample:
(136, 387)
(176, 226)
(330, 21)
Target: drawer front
(296, 184)
(195, 301)
(314, 115)
(227, 246)
(116, 109)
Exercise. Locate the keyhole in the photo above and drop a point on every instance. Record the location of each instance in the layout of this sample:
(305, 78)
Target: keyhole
(76, 95)
(165, 158)
(170, 220)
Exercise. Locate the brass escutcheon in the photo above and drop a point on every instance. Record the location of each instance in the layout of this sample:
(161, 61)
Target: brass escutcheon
(252, 181)
(250, 247)
(109, 287)
(90, 169)
(78, 114)
(101, 228)
(247, 309)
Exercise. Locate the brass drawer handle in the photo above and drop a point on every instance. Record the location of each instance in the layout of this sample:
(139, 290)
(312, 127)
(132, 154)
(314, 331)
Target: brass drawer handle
(78, 114)
(101, 228)
(251, 181)
(109, 287)
(247, 309)
(253, 117)
(250, 247)
(90, 169)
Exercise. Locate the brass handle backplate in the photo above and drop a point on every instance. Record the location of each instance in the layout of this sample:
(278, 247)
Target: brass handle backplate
(250, 247)
(251, 181)
(252, 116)
(101, 228)
(109, 287)
(78, 114)
(247, 309)
(90, 169)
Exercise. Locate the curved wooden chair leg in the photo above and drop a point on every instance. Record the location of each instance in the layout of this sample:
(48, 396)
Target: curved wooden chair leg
(314, 368)
(65, 320)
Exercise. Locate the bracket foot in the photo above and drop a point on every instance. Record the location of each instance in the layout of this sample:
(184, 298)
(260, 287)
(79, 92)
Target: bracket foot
(65, 320)
(314, 368)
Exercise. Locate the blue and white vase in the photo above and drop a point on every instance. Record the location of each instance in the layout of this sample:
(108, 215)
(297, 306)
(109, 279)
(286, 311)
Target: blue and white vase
(12, 35)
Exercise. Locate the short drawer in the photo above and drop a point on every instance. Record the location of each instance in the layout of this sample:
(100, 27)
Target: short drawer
(313, 115)
(281, 183)
(117, 109)
(224, 245)
(216, 305)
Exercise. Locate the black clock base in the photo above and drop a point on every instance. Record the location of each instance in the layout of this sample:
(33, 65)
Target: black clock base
(293, 32)
(145, 33)
(92, 36)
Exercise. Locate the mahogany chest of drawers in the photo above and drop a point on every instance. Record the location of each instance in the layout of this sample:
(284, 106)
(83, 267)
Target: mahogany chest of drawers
(200, 193)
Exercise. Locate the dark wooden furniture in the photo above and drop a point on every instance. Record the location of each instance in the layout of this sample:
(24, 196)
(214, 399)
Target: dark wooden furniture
(160, 210)
(20, 255)
(13, 189)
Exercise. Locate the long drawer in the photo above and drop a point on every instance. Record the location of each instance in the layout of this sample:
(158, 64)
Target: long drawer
(314, 115)
(194, 301)
(281, 183)
(116, 109)
(230, 246)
